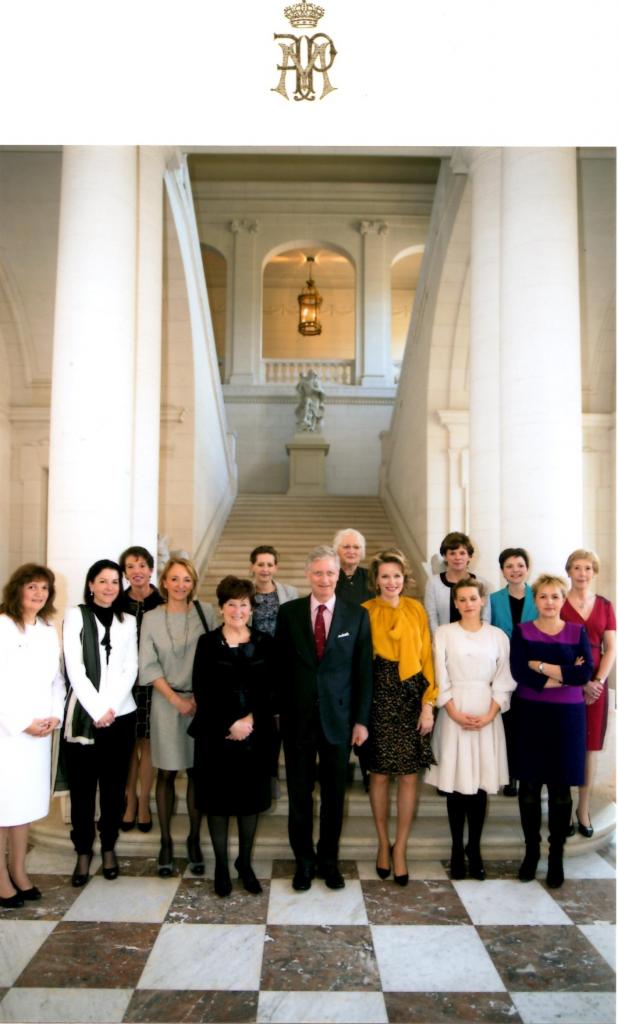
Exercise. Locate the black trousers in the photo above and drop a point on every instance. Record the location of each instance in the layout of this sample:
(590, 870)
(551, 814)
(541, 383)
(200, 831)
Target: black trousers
(106, 763)
(300, 768)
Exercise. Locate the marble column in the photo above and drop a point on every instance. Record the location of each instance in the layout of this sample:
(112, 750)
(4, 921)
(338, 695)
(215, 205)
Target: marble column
(540, 375)
(484, 167)
(93, 442)
(245, 300)
(376, 367)
(145, 494)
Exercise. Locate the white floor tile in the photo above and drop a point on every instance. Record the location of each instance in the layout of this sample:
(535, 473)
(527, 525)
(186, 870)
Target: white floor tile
(565, 1007)
(509, 901)
(125, 899)
(321, 1008)
(206, 956)
(318, 906)
(433, 958)
(65, 1006)
(56, 862)
(19, 941)
(418, 870)
(603, 938)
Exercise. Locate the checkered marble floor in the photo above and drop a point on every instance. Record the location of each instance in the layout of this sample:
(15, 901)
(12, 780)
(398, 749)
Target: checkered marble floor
(144, 949)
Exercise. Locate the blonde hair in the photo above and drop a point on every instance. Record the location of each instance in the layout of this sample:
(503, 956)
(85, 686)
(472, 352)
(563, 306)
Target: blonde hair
(470, 581)
(581, 555)
(186, 564)
(385, 558)
(546, 579)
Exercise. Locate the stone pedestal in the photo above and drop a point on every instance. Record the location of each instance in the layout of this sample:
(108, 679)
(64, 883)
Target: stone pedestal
(307, 464)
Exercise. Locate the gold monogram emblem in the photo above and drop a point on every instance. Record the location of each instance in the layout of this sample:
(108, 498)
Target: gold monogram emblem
(305, 55)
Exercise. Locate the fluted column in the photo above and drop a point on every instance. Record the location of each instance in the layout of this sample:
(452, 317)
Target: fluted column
(540, 392)
(485, 360)
(375, 310)
(98, 366)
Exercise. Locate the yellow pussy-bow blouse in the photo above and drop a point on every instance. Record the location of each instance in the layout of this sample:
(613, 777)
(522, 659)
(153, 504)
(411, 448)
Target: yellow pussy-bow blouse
(402, 634)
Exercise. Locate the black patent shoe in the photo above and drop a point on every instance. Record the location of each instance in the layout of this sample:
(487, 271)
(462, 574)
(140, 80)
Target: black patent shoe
(165, 862)
(81, 876)
(12, 902)
(584, 830)
(196, 859)
(248, 878)
(111, 869)
(33, 893)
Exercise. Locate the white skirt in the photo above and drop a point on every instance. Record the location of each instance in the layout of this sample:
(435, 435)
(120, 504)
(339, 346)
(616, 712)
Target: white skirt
(468, 759)
(25, 777)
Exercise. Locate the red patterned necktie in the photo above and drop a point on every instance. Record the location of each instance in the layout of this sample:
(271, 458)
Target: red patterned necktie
(320, 632)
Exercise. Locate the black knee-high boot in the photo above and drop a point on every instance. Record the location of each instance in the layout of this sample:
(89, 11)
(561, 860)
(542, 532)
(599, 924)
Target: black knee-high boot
(530, 815)
(476, 807)
(456, 810)
(218, 827)
(559, 808)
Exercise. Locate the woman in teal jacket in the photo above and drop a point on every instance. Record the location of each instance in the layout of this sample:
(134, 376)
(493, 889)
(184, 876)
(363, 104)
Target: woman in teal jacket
(509, 606)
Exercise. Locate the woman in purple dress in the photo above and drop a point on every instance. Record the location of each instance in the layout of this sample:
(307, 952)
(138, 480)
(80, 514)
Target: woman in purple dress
(551, 662)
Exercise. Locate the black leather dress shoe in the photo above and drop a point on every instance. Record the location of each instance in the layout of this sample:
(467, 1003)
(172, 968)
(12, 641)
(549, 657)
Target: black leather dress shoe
(303, 878)
(332, 877)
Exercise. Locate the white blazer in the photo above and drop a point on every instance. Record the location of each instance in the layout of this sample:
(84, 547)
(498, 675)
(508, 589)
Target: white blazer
(117, 677)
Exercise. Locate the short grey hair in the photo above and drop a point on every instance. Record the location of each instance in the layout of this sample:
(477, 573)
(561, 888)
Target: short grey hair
(322, 551)
(350, 529)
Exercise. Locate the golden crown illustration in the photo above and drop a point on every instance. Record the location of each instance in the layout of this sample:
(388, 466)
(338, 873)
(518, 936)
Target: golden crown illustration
(304, 14)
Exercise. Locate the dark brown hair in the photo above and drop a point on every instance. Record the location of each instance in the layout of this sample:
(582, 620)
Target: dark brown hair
(13, 592)
(455, 540)
(263, 549)
(136, 552)
(91, 575)
(232, 588)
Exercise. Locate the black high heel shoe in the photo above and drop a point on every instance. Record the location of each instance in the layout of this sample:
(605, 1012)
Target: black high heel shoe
(384, 872)
(165, 863)
(12, 902)
(399, 879)
(584, 830)
(111, 870)
(196, 859)
(145, 826)
(248, 877)
(81, 876)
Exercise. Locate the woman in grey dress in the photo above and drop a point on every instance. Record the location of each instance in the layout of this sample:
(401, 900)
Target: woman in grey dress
(168, 640)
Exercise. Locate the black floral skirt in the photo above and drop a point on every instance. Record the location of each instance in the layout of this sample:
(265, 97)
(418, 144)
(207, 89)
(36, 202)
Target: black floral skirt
(395, 746)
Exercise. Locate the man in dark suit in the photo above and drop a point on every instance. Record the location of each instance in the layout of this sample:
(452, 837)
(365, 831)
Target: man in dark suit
(325, 686)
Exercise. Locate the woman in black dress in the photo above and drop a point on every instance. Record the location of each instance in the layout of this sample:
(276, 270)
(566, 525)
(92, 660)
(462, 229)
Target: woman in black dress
(232, 728)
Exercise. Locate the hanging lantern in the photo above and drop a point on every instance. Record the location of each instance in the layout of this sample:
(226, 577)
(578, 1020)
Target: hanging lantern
(309, 302)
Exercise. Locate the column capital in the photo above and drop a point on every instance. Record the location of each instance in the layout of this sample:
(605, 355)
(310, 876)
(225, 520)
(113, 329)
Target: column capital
(251, 227)
(373, 227)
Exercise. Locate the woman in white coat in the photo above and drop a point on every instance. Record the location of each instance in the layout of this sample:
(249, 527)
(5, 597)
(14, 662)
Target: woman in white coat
(100, 657)
(31, 702)
(471, 660)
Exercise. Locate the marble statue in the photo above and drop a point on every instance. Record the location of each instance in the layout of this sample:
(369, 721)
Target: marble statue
(310, 408)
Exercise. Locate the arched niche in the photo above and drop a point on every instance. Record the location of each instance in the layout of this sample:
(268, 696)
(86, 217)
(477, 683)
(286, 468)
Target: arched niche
(405, 271)
(215, 272)
(284, 273)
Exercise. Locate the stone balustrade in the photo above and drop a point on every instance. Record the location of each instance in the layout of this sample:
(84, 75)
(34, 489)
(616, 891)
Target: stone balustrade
(330, 371)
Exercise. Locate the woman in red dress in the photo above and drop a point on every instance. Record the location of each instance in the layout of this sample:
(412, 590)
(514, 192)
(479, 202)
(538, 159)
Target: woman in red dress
(597, 615)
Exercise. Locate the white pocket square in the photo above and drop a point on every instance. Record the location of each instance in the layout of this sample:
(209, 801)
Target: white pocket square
(340, 635)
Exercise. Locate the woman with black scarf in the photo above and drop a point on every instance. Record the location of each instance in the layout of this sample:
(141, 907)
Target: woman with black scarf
(100, 657)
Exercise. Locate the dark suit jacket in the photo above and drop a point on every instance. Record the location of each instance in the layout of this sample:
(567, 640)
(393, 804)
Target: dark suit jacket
(341, 683)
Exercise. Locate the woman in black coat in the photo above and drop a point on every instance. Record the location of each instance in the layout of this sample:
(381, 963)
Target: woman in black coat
(232, 728)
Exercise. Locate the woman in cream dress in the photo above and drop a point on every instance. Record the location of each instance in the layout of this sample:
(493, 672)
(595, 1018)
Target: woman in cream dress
(471, 660)
(32, 695)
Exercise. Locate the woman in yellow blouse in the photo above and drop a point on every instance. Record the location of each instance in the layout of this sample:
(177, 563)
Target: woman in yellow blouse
(403, 701)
